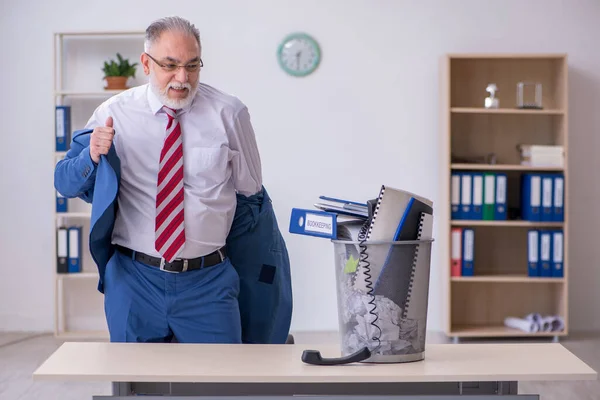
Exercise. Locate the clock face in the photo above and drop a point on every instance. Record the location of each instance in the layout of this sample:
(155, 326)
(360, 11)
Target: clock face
(299, 54)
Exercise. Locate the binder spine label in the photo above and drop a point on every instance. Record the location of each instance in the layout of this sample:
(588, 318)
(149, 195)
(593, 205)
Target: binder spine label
(558, 192)
(501, 189)
(545, 254)
(469, 241)
(319, 224)
(533, 253)
(465, 198)
(455, 196)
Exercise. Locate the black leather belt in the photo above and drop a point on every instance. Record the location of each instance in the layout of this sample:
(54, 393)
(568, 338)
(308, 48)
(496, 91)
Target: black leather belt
(178, 265)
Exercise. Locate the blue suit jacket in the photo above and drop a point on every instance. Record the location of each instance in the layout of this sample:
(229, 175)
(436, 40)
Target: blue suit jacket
(255, 244)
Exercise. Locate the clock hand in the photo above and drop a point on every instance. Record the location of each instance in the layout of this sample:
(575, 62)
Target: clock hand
(298, 59)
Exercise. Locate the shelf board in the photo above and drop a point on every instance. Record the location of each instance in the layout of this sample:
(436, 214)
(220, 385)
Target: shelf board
(497, 331)
(502, 167)
(527, 224)
(506, 279)
(101, 33)
(513, 111)
(75, 93)
(78, 275)
(510, 56)
(73, 214)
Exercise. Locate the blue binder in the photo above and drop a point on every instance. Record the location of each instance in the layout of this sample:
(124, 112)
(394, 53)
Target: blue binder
(531, 187)
(61, 203)
(558, 253)
(558, 214)
(545, 254)
(313, 223)
(456, 212)
(75, 249)
(500, 207)
(546, 194)
(466, 195)
(468, 252)
(533, 241)
(477, 196)
(62, 127)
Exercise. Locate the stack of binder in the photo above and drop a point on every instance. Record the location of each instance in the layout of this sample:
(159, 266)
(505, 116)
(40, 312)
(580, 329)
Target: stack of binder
(462, 255)
(545, 253)
(482, 196)
(68, 249)
(542, 197)
(478, 196)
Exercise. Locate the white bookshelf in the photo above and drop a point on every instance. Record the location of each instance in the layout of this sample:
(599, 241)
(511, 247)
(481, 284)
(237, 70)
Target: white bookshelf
(78, 61)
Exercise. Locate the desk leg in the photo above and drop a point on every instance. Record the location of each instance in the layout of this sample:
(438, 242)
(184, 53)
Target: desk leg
(121, 389)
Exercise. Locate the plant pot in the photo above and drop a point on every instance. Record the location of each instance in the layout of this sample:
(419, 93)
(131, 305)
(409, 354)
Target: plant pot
(116, 82)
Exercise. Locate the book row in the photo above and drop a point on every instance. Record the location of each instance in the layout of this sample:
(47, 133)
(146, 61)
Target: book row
(545, 253)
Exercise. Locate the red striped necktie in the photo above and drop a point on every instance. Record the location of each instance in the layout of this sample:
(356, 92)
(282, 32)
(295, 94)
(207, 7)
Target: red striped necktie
(169, 227)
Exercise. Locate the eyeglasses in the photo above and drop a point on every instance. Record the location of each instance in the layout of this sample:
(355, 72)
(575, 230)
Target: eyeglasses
(193, 67)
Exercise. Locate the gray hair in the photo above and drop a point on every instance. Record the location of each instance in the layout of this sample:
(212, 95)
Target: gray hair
(156, 28)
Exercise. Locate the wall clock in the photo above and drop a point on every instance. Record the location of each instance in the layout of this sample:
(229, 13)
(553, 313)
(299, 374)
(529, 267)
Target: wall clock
(299, 54)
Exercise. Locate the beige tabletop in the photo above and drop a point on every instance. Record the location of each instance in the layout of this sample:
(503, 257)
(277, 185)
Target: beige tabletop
(151, 362)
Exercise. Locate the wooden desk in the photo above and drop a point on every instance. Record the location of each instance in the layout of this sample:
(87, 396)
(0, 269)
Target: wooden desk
(277, 370)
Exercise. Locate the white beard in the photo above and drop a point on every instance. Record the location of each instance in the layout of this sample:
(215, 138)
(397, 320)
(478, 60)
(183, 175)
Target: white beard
(173, 103)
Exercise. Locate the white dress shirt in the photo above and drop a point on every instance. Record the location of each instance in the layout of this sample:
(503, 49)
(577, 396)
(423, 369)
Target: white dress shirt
(220, 157)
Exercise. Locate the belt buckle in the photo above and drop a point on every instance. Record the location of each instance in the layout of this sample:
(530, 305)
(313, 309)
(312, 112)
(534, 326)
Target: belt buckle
(162, 266)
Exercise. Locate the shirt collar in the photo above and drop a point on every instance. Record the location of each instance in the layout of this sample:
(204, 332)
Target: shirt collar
(156, 105)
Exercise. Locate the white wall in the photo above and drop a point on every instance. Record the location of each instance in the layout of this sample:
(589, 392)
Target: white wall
(368, 116)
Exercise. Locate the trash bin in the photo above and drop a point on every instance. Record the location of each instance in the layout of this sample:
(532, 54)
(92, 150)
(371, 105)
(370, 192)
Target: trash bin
(382, 294)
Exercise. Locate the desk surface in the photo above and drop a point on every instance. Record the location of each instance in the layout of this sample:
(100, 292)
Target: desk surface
(176, 362)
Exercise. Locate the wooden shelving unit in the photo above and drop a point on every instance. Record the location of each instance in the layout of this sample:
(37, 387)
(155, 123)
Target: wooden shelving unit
(478, 305)
(78, 83)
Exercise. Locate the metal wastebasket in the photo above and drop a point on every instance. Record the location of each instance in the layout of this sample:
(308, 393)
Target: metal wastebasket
(382, 296)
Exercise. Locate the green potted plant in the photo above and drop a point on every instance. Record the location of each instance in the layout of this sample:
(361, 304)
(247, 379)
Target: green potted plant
(117, 72)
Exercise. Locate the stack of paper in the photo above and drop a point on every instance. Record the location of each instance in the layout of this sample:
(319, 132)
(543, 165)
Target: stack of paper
(542, 155)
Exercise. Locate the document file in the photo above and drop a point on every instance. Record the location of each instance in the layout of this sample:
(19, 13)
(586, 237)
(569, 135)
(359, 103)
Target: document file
(533, 240)
(531, 197)
(489, 189)
(61, 201)
(477, 197)
(456, 212)
(62, 127)
(547, 183)
(468, 253)
(75, 249)
(456, 252)
(545, 254)
(313, 223)
(62, 250)
(558, 198)
(466, 195)
(557, 253)
(500, 206)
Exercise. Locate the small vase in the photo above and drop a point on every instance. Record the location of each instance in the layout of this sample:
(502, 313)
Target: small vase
(116, 82)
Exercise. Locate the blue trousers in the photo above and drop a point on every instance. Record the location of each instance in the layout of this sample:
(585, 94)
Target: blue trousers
(144, 304)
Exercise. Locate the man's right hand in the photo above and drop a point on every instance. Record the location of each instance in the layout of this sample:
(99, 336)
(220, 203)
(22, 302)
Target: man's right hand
(101, 140)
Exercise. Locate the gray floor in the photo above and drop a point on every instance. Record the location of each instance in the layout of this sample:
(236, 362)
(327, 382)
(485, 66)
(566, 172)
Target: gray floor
(21, 354)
